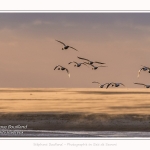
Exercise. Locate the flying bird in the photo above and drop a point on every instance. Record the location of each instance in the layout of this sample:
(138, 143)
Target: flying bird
(114, 84)
(147, 86)
(62, 68)
(144, 68)
(91, 62)
(66, 46)
(77, 64)
(100, 85)
(95, 67)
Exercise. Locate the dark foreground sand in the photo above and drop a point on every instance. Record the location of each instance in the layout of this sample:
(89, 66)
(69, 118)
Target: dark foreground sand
(76, 122)
(75, 109)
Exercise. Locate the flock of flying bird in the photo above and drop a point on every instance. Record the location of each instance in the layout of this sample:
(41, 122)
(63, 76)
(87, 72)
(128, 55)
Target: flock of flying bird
(90, 63)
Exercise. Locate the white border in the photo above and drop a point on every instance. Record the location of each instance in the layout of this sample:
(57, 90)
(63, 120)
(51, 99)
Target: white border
(72, 5)
(76, 6)
(46, 144)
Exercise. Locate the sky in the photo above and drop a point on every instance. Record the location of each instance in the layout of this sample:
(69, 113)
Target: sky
(29, 52)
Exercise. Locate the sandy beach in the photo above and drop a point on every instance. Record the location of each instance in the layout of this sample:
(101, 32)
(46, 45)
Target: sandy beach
(76, 109)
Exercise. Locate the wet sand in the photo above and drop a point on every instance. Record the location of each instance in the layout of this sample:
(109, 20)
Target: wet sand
(76, 109)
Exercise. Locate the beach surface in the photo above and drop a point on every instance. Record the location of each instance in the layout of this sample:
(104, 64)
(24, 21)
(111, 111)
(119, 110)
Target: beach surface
(75, 110)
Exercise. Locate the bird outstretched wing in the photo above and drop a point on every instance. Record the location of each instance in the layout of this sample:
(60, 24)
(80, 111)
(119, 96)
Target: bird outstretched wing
(99, 62)
(139, 72)
(68, 72)
(73, 62)
(122, 84)
(61, 42)
(91, 65)
(101, 66)
(109, 84)
(84, 63)
(140, 84)
(73, 48)
(145, 67)
(105, 84)
(96, 82)
(57, 66)
(83, 58)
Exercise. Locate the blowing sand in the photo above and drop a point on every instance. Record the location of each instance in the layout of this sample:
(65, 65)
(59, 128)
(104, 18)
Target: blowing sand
(76, 109)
